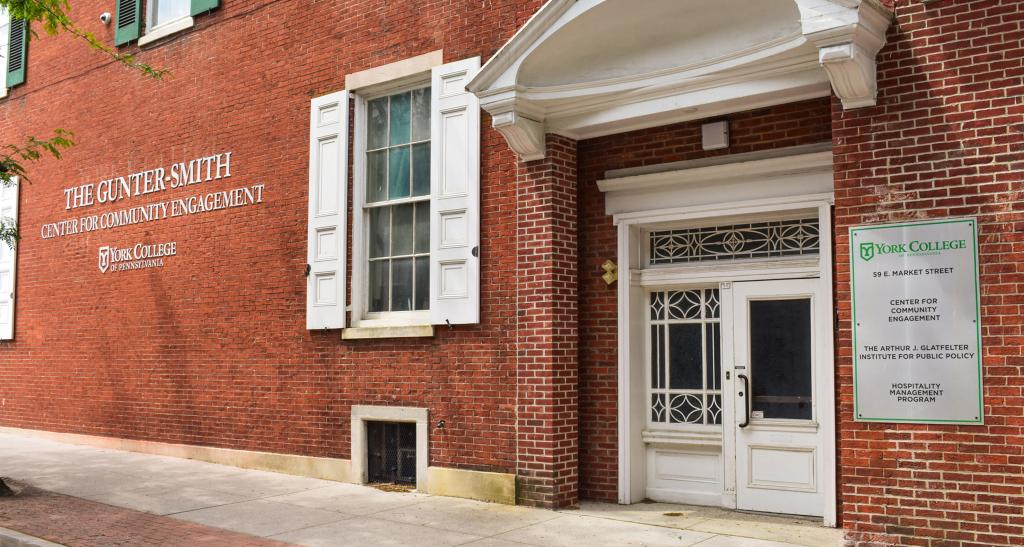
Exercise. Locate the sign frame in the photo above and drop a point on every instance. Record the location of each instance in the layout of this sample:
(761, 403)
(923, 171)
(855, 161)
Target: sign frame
(854, 231)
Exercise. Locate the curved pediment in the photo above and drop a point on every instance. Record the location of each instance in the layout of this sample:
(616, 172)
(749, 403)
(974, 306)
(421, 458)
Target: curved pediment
(625, 40)
(584, 68)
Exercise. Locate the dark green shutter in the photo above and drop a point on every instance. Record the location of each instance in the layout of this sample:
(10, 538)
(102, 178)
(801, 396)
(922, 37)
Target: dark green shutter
(128, 21)
(17, 54)
(202, 6)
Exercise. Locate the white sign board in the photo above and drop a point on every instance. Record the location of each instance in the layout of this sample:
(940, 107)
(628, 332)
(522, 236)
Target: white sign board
(916, 322)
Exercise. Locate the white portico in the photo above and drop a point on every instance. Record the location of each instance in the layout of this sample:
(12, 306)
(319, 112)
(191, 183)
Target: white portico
(713, 255)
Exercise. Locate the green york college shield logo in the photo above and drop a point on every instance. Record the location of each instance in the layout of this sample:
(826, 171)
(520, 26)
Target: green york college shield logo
(867, 251)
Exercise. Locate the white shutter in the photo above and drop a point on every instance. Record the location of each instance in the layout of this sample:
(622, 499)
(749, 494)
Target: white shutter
(8, 261)
(328, 184)
(454, 195)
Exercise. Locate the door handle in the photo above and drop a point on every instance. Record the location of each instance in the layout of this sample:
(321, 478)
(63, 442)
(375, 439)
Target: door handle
(746, 399)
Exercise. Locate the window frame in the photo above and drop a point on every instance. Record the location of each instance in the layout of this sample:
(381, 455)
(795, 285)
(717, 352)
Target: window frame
(359, 289)
(153, 32)
(649, 423)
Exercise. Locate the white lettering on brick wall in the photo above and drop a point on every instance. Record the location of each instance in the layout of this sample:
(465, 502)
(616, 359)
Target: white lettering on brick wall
(178, 177)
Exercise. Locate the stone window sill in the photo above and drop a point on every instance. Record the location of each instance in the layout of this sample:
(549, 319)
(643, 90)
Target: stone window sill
(371, 333)
(165, 30)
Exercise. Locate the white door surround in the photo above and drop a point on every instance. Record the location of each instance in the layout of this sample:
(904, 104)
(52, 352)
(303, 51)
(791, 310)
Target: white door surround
(798, 187)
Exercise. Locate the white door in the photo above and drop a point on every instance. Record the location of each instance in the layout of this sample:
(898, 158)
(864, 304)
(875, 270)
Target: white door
(778, 364)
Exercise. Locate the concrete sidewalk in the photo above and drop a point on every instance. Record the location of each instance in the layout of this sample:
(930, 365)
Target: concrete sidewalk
(197, 499)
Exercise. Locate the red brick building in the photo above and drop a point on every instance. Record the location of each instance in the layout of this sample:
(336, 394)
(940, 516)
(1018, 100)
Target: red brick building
(538, 252)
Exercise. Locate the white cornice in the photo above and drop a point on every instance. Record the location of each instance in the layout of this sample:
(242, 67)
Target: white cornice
(770, 167)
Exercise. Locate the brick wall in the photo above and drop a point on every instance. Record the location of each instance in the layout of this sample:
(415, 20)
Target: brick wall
(806, 122)
(547, 335)
(945, 140)
(212, 349)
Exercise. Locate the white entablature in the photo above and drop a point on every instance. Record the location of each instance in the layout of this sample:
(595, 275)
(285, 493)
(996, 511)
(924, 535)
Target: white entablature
(585, 68)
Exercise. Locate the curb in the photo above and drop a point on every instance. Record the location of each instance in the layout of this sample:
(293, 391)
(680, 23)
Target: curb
(11, 538)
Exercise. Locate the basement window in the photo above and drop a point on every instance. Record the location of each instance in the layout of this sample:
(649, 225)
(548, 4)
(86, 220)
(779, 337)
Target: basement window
(391, 452)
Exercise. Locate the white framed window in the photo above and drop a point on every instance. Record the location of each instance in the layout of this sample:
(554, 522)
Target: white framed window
(164, 12)
(166, 17)
(685, 357)
(416, 200)
(394, 169)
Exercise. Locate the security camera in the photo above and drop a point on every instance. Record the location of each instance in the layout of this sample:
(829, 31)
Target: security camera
(105, 18)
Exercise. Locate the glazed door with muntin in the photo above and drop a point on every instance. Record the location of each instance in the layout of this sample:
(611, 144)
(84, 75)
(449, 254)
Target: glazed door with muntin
(776, 362)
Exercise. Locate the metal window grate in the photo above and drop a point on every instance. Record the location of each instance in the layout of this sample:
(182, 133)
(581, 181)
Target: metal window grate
(755, 240)
(391, 452)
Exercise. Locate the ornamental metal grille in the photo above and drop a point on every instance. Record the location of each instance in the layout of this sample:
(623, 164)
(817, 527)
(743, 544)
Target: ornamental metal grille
(755, 240)
(686, 361)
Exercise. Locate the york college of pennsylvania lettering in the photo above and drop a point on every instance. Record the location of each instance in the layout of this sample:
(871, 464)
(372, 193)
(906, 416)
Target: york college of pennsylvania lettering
(179, 177)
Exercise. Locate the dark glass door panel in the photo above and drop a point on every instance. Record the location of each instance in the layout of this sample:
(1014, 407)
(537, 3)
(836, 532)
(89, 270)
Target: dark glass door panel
(780, 358)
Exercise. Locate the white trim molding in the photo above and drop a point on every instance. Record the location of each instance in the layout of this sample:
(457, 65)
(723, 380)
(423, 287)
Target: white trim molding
(554, 76)
(691, 186)
(166, 29)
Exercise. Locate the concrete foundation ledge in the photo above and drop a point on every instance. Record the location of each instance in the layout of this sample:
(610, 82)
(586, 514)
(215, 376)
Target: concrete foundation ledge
(306, 466)
(11, 538)
(477, 485)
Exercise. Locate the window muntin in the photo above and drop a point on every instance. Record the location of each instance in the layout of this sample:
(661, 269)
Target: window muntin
(777, 238)
(397, 202)
(165, 11)
(685, 357)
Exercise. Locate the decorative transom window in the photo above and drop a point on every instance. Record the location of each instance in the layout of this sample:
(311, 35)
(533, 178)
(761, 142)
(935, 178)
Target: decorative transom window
(754, 240)
(686, 361)
(397, 202)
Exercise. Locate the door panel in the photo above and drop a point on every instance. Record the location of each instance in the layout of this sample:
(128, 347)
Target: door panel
(776, 355)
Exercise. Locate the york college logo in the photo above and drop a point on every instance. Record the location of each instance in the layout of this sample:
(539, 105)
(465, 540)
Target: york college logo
(136, 257)
(104, 258)
(867, 251)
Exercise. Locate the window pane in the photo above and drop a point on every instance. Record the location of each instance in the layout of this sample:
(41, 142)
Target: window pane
(422, 283)
(377, 123)
(399, 125)
(398, 172)
(780, 358)
(166, 11)
(657, 305)
(685, 408)
(378, 300)
(401, 229)
(423, 227)
(714, 409)
(380, 231)
(657, 356)
(401, 284)
(686, 368)
(713, 341)
(421, 114)
(376, 176)
(658, 407)
(421, 169)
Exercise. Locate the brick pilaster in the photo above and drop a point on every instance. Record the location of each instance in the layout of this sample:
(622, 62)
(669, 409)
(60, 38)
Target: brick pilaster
(548, 360)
